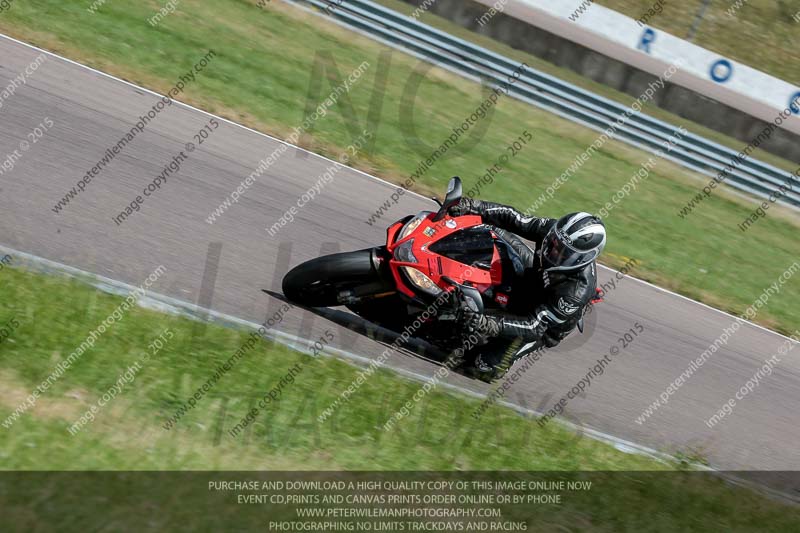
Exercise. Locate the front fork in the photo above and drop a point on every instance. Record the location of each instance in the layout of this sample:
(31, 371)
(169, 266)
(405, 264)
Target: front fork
(381, 286)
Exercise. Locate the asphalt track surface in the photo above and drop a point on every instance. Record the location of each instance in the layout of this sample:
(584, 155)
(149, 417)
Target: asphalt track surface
(91, 111)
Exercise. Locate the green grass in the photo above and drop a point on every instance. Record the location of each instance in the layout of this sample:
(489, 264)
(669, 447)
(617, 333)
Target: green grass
(55, 314)
(262, 74)
(761, 34)
(439, 435)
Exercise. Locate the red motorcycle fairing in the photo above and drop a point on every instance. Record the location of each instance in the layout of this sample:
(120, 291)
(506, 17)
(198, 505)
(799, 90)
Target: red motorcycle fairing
(436, 266)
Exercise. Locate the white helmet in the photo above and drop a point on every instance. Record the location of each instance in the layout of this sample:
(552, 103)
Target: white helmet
(573, 242)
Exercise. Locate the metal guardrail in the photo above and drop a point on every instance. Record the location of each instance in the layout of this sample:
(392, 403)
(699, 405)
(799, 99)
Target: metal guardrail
(562, 98)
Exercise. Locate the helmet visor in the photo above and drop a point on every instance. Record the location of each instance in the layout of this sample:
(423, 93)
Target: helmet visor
(557, 254)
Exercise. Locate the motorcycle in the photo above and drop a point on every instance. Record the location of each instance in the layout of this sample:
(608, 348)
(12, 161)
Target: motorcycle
(430, 265)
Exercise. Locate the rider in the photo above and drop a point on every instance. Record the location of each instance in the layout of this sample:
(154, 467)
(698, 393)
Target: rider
(557, 283)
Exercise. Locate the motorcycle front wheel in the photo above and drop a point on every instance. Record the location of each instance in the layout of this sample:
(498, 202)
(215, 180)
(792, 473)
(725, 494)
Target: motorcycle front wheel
(322, 281)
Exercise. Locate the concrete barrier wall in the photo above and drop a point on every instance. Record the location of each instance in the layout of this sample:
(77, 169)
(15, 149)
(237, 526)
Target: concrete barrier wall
(722, 108)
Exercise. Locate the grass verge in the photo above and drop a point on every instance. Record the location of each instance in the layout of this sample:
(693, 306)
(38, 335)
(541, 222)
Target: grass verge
(130, 431)
(263, 71)
(53, 315)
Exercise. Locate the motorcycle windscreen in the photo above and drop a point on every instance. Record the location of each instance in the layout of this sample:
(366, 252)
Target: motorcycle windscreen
(471, 246)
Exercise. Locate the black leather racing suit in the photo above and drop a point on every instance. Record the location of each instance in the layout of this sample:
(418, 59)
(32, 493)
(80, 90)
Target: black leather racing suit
(543, 307)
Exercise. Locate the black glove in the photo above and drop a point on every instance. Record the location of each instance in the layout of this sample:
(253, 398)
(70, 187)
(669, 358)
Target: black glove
(552, 338)
(466, 206)
(477, 323)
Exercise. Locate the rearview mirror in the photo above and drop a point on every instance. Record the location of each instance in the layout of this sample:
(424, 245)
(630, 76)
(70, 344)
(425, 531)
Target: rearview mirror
(473, 294)
(454, 193)
(468, 291)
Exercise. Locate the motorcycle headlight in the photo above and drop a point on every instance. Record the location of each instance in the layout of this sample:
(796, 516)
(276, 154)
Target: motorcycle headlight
(412, 224)
(405, 252)
(421, 281)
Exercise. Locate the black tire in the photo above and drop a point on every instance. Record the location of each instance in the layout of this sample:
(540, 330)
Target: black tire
(317, 283)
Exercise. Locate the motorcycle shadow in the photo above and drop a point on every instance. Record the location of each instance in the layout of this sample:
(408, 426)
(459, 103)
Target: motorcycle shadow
(412, 346)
